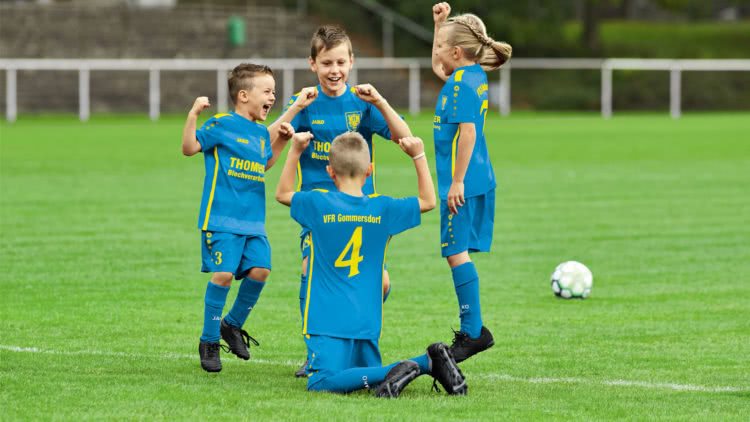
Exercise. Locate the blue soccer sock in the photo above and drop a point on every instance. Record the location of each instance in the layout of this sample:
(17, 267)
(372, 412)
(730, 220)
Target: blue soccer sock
(466, 283)
(352, 379)
(246, 299)
(216, 296)
(302, 295)
(387, 293)
(425, 366)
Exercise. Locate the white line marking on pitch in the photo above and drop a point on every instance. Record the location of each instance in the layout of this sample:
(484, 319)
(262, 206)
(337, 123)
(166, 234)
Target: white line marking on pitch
(616, 383)
(504, 377)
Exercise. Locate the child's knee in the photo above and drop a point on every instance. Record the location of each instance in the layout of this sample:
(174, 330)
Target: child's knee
(222, 278)
(259, 273)
(458, 259)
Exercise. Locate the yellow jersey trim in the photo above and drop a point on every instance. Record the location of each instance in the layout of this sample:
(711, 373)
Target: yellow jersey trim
(485, 106)
(299, 177)
(220, 115)
(321, 190)
(453, 152)
(213, 189)
(309, 284)
(459, 75)
(382, 281)
(374, 195)
(374, 188)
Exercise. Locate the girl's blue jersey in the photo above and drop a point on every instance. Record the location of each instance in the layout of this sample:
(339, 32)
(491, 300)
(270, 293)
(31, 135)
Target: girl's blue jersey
(236, 151)
(463, 99)
(349, 238)
(328, 117)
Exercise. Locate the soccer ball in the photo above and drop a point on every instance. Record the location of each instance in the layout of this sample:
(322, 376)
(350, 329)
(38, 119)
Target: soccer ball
(572, 280)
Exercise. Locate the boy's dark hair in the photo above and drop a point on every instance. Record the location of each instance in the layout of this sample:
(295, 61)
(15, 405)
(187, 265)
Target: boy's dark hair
(328, 37)
(241, 77)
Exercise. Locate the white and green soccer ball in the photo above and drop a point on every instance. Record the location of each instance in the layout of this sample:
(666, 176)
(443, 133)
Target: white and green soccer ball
(572, 280)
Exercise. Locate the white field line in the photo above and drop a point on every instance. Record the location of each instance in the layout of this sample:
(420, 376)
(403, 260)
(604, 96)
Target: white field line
(503, 377)
(615, 383)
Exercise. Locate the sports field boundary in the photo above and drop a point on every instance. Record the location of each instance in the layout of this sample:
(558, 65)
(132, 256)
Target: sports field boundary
(489, 376)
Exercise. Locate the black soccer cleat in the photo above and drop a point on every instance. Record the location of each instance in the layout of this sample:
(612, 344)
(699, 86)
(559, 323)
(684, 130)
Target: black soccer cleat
(445, 371)
(464, 347)
(209, 352)
(397, 379)
(301, 372)
(237, 339)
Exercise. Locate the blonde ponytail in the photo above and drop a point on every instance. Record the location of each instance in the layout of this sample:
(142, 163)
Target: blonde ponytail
(469, 33)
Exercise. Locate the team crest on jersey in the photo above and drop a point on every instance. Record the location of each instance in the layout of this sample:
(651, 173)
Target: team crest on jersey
(352, 120)
(444, 100)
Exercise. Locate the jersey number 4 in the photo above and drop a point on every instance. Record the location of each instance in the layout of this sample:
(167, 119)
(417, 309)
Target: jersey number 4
(355, 243)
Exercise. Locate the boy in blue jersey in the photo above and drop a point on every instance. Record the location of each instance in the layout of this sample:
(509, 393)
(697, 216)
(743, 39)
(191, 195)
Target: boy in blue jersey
(330, 109)
(349, 235)
(237, 151)
(462, 52)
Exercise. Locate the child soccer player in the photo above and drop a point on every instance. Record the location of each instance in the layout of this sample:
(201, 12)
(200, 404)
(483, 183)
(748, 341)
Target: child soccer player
(330, 109)
(349, 234)
(237, 151)
(461, 54)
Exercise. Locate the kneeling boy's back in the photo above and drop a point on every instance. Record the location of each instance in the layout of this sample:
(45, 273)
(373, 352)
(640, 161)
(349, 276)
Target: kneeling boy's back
(345, 299)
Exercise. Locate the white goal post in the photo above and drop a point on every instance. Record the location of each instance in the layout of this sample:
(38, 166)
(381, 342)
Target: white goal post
(413, 65)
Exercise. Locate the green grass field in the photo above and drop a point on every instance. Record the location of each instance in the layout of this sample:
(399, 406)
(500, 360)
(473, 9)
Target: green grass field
(102, 297)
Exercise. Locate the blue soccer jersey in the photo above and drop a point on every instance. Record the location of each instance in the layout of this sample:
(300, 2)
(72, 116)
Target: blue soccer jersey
(326, 118)
(349, 237)
(236, 151)
(463, 99)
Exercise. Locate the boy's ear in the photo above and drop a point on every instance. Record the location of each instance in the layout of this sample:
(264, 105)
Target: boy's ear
(243, 96)
(313, 67)
(368, 173)
(330, 172)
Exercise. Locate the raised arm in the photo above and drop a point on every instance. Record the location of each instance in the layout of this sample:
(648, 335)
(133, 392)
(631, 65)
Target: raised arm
(304, 98)
(440, 13)
(465, 148)
(190, 144)
(414, 147)
(279, 137)
(285, 188)
(396, 125)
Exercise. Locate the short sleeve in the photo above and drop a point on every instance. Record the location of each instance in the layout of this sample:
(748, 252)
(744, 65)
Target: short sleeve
(300, 208)
(378, 124)
(209, 135)
(403, 214)
(463, 104)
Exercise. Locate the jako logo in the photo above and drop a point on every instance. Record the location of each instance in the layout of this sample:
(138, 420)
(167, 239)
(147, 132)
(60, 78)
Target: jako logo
(216, 318)
(364, 381)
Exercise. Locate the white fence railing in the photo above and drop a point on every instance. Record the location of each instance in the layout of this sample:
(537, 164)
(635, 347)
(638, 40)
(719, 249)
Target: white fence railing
(414, 66)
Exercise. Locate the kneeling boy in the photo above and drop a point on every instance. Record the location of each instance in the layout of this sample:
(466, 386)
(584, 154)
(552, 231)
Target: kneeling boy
(349, 235)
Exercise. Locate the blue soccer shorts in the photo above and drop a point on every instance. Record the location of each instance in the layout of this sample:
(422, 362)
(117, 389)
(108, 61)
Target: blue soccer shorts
(234, 253)
(328, 356)
(470, 229)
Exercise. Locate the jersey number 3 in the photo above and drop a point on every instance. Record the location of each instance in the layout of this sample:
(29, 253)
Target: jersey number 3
(355, 258)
